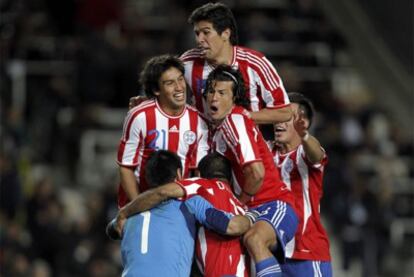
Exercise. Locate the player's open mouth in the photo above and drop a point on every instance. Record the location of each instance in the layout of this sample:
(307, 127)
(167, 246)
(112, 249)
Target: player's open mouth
(213, 109)
(279, 129)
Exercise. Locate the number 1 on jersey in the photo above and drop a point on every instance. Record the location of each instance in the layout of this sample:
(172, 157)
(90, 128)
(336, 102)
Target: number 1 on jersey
(144, 234)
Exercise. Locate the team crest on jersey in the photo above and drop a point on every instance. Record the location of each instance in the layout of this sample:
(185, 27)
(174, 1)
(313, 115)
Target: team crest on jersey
(189, 137)
(221, 146)
(288, 165)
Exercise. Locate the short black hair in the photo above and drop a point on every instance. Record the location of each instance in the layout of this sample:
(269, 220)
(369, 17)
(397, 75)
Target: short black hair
(161, 168)
(227, 73)
(215, 165)
(154, 68)
(220, 16)
(305, 104)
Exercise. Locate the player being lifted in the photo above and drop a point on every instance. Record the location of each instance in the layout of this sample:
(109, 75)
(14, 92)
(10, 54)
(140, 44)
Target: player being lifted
(301, 161)
(257, 182)
(164, 121)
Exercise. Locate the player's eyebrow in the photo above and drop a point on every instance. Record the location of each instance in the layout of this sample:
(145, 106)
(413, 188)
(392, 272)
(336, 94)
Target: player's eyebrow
(207, 28)
(172, 80)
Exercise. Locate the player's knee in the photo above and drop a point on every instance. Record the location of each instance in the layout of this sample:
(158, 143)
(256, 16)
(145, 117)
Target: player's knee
(252, 240)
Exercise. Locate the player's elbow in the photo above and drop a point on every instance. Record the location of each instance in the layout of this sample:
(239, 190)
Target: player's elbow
(254, 175)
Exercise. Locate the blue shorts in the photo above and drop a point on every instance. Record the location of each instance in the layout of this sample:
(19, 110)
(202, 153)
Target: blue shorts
(303, 268)
(282, 217)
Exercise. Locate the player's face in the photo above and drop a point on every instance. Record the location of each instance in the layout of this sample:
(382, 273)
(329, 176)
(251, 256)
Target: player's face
(285, 132)
(172, 93)
(220, 100)
(209, 41)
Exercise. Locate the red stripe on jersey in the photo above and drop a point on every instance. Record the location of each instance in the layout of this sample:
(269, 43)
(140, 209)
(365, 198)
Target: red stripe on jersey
(174, 134)
(197, 83)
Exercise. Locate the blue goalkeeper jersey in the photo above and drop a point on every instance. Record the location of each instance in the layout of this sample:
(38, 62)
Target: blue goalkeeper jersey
(160, 242)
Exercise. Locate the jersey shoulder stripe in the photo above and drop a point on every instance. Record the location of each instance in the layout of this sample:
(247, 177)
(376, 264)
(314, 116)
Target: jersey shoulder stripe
(261, 65)
(191, 54)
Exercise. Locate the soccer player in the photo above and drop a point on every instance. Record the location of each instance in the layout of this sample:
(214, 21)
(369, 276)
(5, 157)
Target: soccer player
(216, 36)
(257, 182)
(160, 242)
(301, 161)
(164, 121)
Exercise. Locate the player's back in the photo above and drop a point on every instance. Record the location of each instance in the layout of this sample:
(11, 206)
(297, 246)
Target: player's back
(159, 242)
(217, 254)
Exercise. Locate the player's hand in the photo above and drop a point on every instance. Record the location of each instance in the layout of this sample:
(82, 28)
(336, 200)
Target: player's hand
(115, 228)
(135, 101)
(299, 123)
(252, 215)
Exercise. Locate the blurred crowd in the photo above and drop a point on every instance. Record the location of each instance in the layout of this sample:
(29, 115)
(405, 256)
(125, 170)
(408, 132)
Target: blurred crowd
(80, 58)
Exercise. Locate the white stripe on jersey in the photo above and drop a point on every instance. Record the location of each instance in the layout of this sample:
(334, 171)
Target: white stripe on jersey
(304, 175)
(241, 266)
(243, 138)
(203, 244)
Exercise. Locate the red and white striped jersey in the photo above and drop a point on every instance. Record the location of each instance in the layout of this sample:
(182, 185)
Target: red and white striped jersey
(304, 179)
(217, 255)
(241, 142)
(148, 128)
(264, 87)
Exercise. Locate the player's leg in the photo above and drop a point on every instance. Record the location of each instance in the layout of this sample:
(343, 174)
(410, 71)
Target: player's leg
(267, 239)
(258, 241)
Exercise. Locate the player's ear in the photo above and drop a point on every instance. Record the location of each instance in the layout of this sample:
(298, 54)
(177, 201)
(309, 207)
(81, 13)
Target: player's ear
(226, 34)
(156, 93)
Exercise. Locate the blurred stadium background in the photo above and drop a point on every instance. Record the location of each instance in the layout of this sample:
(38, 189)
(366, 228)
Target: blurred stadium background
(69, 67)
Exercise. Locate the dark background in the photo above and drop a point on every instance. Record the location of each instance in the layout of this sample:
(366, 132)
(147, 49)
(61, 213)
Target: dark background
(69, 67)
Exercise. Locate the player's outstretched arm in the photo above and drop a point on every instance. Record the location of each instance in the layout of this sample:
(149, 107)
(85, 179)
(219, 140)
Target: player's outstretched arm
(311, 145)
(217, 220)
(151, 198)
(271, 116)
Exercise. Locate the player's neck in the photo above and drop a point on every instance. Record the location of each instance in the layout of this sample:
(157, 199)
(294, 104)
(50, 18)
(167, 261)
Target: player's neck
(225, 56)
(172, 111)
(289, 146)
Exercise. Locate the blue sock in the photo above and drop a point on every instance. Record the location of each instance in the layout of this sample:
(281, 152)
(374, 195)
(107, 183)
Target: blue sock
(268, 268)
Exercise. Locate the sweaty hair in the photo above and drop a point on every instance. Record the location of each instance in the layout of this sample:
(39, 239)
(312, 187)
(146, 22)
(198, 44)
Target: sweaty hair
(154, 68)
(161, 168)
(220, 16)
(227, 73)
(215, 165)
(304, 103)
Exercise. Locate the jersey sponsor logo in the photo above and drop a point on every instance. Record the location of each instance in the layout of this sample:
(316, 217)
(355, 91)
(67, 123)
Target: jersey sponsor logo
(189, 137)
(174, 129)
